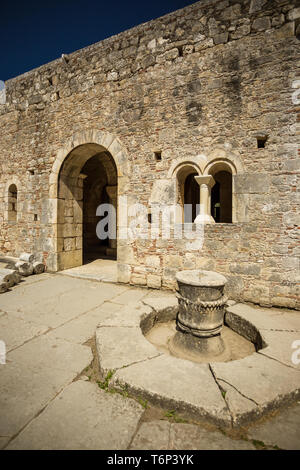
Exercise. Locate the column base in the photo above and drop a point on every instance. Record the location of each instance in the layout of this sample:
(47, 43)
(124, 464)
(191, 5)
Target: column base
(204, 219)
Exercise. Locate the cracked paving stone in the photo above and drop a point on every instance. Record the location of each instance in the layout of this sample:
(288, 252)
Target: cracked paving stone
(16, 331)
(121, 346)
(33, 375)
(260, 379)
(282, 430)
(153, 435)
(280, 347)
(192, 437)
(173, 384)
(267, 319)
(82, 417)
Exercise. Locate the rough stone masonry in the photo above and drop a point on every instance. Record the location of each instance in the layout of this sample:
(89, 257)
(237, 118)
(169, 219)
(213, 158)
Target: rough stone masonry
(207, 91)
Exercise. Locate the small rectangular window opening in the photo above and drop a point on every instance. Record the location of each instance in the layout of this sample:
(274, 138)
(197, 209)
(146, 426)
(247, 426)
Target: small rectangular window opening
(261, 142)
(157, 156)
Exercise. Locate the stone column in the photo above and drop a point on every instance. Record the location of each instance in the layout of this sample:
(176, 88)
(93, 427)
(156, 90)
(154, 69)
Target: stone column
(205, 183)
(112, 192)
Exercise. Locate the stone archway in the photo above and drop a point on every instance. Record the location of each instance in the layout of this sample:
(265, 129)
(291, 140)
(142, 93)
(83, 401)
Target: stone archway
(67, 190)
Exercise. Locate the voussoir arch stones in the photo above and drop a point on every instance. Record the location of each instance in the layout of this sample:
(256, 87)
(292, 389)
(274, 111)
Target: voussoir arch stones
(226, 394)
(109, 142)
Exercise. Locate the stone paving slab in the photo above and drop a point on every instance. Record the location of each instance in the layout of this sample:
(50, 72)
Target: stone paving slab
(25, 295)
(3, 442)
(163, 435)
(283, 430)
(82, 417)
(33, 375)
(267, 319)
(154, 435)
(16, 331)
(242, 409)
(165, 303)
(130, 315)
(280, 346)
(121, 346)
(177, 384)
(191, 437)
(81, 329)
(264, 381)
(131, 295)
(57, 306)
(49, 352)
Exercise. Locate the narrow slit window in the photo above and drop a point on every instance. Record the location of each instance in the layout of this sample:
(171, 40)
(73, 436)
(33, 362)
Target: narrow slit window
(12, 203)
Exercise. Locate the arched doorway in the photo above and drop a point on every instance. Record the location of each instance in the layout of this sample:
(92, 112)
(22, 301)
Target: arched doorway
(87, 179)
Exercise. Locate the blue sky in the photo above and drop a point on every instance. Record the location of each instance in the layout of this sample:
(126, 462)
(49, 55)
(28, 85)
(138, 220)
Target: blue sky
(33, 33)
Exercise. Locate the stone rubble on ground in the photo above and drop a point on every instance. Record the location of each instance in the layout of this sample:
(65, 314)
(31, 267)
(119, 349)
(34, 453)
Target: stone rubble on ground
(25, 266)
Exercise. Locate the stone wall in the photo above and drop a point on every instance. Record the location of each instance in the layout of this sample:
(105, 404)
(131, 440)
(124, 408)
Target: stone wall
(197, 85)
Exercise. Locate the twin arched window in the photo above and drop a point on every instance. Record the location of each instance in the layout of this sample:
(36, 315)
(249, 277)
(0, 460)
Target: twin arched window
(220, 201)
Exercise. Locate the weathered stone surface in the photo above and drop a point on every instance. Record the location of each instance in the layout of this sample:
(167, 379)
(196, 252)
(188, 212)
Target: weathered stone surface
(7, 276)
(121, 346)
(293, 14)
(3, 287)
(242, 410)
(38, 268)
(261, 24)
(278, 384)
(33, 375)
(24, 268)
(152, 436)
(176, 384)
(248, 183)
(28, 257)
(190, 437)
(267, 319)
(16, 331)
(280, 347)
(256, 5)
(163, 303)
(92, 420)
(130, 295)
(281, 430)
(59, 299)
(130, 315)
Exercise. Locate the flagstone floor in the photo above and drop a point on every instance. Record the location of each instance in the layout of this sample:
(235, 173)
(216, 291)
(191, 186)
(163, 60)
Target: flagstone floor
(50, 400)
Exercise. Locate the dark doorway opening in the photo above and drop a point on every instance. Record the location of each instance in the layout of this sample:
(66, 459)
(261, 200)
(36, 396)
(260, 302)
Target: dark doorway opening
(221, 197)
(191, 198)
(99, 173)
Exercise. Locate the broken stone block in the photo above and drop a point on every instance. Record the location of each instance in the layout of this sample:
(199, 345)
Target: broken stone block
(7, 279)
(28, 257)
(24, 268)
(12, 275)
(38, 268)
(3, 287)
